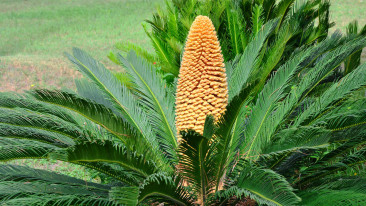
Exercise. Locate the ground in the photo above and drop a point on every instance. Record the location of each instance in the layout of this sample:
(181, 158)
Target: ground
(34, 35)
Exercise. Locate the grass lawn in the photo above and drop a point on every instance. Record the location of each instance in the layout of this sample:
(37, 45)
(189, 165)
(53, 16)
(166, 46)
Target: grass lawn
(345, 11)
(34, 35)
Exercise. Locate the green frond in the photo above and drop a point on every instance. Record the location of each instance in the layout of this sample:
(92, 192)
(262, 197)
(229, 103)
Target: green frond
(275, 51)
(307, 13)
(97, 113)
(284, 77)
(128, 46)
(337, 91)
(293, 139)
(14, 101)
(172, 22)
(236, 26)
(339, 191)
(41, 187)
(265, 186)
(196, 161)
(26, 174)
(25, 186)
(114, 171)
(21, 118)
(165, 188)
(259, 128)
(119, 95)
(29, 133)
(354, 60)
(124, 195)
(56, 199)
(12, 149)
(91, 92)
(241, 72)
(343, 117)
(156, 100)
(281, 10)
(229, 133)
(257, 19)
(169, 61)
(300, 90)
(321, 170)
(333, 197)
(109, 153)
(327, 64)
(354, 183)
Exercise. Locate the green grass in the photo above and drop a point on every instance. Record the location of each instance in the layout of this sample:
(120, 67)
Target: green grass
(34, 35)
(55, 26)
(344, 11)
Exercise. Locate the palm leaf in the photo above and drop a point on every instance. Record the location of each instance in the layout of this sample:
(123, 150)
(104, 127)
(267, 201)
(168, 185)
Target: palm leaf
(12, 149)
(229, 133)
(114, 171)
(109, 153)
(281, 9)
(320, 170)
(337, 191)
(43, 123)
(128, 46)
(158, 103)
(257, 19)
(265, 186)
(298, 138)
(165, 56)
(240, 74)
(196, 160)
(258, 132)
(29, 133)
(117, 94)
(337, 91)
(124, 195)
(165, 188)
(94, 112)
(237, 35)
(354, 60)
(275, 51)
(13, 101)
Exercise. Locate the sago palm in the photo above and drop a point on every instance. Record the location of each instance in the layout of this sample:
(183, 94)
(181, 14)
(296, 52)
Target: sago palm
(239, 141)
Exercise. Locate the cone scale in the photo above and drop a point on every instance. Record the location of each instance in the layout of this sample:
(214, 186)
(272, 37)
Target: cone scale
(202, 86)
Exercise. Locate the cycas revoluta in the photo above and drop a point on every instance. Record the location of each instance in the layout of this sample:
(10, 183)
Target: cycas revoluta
(261, 149)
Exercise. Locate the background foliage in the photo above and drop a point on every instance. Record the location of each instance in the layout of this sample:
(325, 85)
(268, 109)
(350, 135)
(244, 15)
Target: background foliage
(29, 32)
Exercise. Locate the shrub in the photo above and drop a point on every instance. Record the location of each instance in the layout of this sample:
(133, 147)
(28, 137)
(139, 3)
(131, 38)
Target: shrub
(256, 152)
(237, 23)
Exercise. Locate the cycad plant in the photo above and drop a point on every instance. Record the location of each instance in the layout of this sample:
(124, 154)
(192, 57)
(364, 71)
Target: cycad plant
(237, 22)
(253, 147)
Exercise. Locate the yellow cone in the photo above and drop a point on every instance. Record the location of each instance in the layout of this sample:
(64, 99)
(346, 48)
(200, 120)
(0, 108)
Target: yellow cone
(202, 86)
